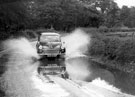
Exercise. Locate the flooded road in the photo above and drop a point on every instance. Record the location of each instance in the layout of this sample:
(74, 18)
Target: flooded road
(79, 68)
(85, 69)
(19, 73)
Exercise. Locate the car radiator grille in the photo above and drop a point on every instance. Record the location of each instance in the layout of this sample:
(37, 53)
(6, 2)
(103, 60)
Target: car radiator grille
(51, 51)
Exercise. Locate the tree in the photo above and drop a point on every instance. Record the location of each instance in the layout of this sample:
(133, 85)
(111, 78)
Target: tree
(130, 21)
(13, 17)
(112, 16)
(124, 14)
(108, 9)
(63, 14)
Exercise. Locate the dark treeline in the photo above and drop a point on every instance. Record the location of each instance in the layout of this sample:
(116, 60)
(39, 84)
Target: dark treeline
(16, 15)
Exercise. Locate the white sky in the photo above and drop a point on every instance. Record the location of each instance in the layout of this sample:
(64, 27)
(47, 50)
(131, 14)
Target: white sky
(128, 3)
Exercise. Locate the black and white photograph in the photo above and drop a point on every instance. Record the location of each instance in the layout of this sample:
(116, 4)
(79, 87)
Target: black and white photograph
(67, 48)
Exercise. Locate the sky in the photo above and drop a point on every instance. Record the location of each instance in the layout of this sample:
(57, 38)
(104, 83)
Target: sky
(128, 3)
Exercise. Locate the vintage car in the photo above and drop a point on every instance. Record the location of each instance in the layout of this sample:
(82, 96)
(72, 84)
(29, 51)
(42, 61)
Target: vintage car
(49, 44)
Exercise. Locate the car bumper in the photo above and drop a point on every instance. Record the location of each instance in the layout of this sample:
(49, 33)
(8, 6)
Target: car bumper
(51, 53)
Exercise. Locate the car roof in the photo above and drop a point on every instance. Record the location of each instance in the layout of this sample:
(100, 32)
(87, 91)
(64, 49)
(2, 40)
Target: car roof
(50, 33)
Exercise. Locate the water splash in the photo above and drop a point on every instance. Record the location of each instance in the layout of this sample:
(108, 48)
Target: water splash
(21, 78)
(77, 68)
(20, 46)
(77, 63)
(104, 84)
(76, 43)
(16, 80)
(76, 46)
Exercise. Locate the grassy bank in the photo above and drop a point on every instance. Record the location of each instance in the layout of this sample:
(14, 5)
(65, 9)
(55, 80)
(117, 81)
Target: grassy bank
(115, 49)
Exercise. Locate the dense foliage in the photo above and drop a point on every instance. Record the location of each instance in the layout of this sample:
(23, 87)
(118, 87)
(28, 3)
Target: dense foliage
(117, 47)
(16, 15)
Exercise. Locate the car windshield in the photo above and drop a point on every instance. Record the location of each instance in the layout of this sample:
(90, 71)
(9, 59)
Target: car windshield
(50, 38)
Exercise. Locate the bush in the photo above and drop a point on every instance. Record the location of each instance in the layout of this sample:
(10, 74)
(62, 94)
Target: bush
(111, 45)
(29, 34)
(97, 47)
(103, 29)
(126, 51)
(113, 48)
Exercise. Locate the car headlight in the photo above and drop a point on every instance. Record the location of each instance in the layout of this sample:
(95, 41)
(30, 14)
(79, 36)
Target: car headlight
(40, 47)
(58, 46)
(62, 47)
(45, 47)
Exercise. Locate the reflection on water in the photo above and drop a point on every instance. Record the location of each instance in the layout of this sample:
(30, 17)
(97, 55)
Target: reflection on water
(53, 61)
(88, 69)
(124, 81)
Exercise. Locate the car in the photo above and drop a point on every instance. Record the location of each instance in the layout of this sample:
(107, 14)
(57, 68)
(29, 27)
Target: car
(49, 44)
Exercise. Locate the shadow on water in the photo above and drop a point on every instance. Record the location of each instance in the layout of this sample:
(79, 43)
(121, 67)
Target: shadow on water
(124, 81)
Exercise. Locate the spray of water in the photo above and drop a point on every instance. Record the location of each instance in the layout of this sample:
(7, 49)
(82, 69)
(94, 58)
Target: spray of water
(76, 46)
(21, 78)
(104, 84)
(16, 80)
(76, 43)
(79, 68)
(21, 46)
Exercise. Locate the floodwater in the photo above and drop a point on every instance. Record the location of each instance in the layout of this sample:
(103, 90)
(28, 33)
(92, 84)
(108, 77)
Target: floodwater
(82, 68)
(17, 68)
